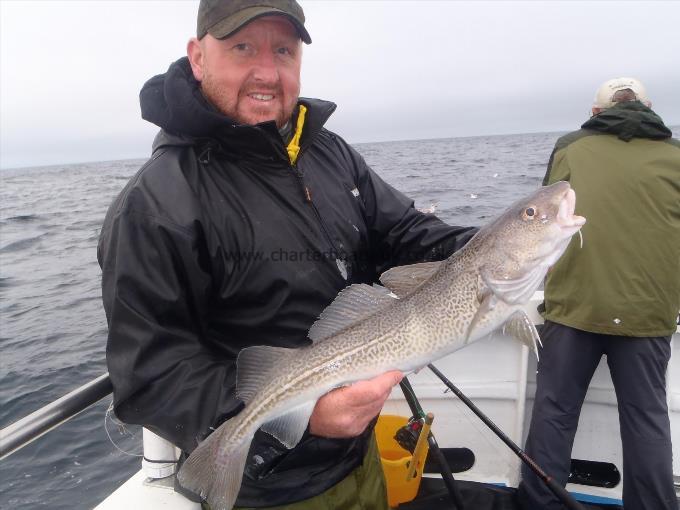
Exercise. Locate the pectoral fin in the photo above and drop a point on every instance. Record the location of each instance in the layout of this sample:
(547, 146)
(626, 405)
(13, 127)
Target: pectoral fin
(520, 326)
(487, 302)
(290, 427)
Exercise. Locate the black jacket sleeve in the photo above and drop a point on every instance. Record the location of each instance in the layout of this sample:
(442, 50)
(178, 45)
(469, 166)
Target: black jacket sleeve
(155, 289)
(400, 234)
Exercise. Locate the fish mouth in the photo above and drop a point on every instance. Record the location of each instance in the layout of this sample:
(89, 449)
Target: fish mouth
(569, 222)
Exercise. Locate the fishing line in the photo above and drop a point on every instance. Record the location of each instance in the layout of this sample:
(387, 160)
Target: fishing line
(121, 427)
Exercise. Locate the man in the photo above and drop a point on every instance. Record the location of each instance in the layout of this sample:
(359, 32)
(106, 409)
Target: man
(618, 296)
(246, 222)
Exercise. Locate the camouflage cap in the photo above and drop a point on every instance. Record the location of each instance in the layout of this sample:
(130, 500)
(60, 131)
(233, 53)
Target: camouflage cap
(221, 18)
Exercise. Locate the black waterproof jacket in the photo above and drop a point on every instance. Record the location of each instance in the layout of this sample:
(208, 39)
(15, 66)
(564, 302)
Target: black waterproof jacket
(218, 243)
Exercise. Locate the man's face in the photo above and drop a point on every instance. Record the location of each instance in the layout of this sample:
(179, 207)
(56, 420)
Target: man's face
(254, 75)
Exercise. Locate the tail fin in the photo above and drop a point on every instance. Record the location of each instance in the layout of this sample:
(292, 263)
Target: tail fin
(214, 470)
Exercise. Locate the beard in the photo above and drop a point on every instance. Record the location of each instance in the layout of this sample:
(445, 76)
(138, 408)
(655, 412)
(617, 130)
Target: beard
(238, 107)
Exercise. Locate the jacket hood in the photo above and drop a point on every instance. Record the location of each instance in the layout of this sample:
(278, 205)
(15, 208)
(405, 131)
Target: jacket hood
(629, 120)
(174, 102)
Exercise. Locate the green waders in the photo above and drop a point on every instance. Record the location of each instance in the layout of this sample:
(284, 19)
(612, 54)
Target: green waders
(363, 489)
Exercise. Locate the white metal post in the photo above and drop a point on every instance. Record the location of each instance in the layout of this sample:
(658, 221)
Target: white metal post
(160, 456)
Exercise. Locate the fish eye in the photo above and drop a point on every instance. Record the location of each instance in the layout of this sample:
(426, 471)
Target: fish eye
(529, 213)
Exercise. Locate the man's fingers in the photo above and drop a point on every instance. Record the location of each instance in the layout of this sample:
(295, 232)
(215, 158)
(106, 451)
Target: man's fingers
(377, 388)
(346, 411)
(388, 379)
(372, 389)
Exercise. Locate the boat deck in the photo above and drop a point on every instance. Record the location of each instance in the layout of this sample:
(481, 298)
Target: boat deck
(433, 495)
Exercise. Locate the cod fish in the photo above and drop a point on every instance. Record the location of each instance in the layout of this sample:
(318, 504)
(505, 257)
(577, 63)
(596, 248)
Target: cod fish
(421, 312)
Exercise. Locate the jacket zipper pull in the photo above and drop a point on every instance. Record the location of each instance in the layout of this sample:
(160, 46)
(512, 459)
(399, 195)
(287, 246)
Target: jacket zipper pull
(204, 157)
(308, 193)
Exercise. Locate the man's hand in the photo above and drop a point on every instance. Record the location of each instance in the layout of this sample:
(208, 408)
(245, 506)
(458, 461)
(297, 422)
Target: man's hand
(347, 411)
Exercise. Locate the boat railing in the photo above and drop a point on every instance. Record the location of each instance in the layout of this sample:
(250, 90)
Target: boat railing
(26, 430)
(159, 460)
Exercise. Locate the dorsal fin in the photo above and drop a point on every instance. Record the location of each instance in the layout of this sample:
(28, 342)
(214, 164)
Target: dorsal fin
(352, 305)
(403, 280)
(253, 366)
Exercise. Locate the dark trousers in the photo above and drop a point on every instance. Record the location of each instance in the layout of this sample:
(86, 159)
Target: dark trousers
(568, 360)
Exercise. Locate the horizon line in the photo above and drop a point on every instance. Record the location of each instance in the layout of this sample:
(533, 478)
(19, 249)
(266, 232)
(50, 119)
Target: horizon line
(49, 165)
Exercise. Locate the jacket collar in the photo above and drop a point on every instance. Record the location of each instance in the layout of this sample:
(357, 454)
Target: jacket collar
(629, 120)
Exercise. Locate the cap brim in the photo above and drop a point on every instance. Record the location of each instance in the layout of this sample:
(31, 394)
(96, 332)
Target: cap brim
(228, 26)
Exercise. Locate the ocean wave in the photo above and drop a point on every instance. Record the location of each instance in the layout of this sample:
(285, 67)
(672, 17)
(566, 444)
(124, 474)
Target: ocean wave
(7, 282)
(23, 244)
(22, 218)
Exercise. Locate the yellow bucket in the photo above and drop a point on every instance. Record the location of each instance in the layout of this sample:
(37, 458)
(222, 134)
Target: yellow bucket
(396, 461)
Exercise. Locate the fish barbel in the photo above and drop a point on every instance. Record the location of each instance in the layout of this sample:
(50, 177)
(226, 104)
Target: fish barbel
(421, 313)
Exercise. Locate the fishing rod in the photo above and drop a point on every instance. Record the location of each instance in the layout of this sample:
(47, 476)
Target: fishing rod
(445, 469)
(559, 491)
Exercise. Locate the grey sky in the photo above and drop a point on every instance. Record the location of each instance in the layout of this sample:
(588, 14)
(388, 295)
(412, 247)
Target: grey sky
(70, 72)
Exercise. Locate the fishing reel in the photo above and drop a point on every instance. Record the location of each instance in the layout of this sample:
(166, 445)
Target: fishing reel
(407, 436)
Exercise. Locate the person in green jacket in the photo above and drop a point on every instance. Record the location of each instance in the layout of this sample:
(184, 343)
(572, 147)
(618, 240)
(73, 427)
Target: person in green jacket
(617, 295)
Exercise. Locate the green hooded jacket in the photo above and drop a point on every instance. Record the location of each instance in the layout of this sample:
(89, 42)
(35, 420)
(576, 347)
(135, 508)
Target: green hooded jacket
(625, 169)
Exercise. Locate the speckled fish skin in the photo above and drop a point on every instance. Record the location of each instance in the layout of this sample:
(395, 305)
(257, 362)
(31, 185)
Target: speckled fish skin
(471, 294)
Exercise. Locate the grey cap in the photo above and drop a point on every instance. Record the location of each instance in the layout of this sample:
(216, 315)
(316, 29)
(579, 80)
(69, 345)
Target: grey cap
(221, 18)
